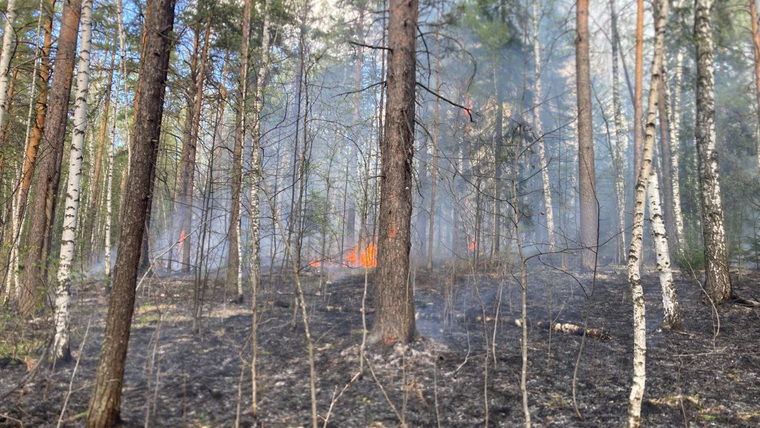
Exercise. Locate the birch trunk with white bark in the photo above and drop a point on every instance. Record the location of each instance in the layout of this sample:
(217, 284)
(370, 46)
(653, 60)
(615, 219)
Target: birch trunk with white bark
(234, 253)
(68, 238)
(256, 177)
(537, 128)
(717, 279)
(6, 54)
(674, 120)
(637, 232)
(670, 306)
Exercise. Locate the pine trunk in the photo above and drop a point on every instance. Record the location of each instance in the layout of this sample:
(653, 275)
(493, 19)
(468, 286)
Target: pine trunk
(32, 147)
(394, 296)
(50, 158)
(188, 187)
(756, 53)
(717, 279)
(586, 172)
(105, 405)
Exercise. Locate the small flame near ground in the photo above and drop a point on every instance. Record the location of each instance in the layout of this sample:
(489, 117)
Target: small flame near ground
(360, 256)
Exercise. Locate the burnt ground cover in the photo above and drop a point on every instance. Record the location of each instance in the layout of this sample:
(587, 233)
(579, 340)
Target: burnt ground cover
(705, 375)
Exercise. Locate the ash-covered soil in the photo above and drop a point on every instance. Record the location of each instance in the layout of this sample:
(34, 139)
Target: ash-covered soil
(458, 374)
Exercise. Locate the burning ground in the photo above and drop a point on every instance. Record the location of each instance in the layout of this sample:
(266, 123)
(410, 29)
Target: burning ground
(706, 375)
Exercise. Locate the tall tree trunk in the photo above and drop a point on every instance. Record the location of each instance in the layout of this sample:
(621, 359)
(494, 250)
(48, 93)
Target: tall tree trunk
(434, 166)
(621, 136)
(92, 210)
(105, 403)
(586, 172)
(63, 288)
(638, 77)
(51, 156)
(537, 128)
(234, 267)
(183, 171)
(637, 231)
(499, 154)
(121, 77)
(674, 120)
(394, 296)
(666, 155)
(717, 279)
(43, 74)
(5, 57)
(671, 311)
(189, 186)
(756, 53)
(256, 177)
(351, 229)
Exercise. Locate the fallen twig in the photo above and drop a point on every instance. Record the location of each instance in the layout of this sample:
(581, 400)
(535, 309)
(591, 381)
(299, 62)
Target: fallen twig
(594, 333)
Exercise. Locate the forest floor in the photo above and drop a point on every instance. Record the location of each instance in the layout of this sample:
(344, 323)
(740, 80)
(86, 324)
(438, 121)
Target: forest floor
(706, 375)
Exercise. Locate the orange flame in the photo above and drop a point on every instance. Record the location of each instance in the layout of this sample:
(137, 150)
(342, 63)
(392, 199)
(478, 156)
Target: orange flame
(366, 258)
(473, 244)
(181, 240)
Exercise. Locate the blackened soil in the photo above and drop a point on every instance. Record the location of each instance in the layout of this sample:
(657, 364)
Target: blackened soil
(456, 375)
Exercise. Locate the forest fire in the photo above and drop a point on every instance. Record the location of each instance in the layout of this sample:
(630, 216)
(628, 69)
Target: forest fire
(366, 258)
(355, 258)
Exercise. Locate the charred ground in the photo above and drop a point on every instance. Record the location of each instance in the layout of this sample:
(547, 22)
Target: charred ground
(706, 375)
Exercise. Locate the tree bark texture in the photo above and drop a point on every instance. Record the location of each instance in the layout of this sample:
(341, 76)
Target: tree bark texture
(637, 231)
(756, 54)
(586, 173)
(638, 81)
(621, 136)
(32, 147)
(234, 271)
(537, 128)
(717, 279)
(76, 155)
(674, 135)
(256, 178)
(5, 57)
(104, 408)
(394, 297)
(670, 307)
(50, 157)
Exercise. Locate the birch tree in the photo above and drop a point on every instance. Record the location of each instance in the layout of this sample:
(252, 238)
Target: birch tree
(537, 127)
(6, 54)
(621, 135)
(234, 265)
(672, 313)
(717, 279)
(256, 177)
(63, 288)
(637, 231)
